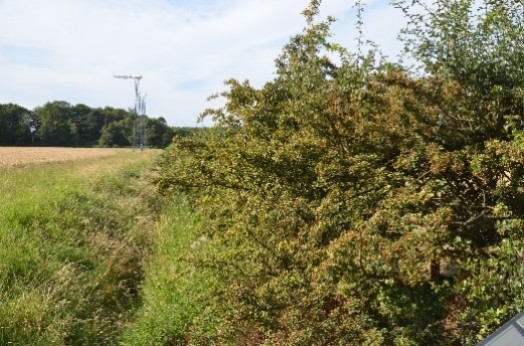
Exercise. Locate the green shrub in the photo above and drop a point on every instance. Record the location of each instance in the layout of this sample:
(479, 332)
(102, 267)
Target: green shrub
(352, 201)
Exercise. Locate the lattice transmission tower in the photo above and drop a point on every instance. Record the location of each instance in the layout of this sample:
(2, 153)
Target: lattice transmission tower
(139, 116)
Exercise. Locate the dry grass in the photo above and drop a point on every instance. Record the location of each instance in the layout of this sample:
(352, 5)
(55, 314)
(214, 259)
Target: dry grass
(15, 156)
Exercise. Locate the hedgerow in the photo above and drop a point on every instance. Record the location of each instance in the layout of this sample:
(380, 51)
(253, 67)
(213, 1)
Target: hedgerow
(356, 201)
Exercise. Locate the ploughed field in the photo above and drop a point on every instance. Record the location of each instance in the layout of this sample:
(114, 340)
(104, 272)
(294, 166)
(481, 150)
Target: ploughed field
(15, 156)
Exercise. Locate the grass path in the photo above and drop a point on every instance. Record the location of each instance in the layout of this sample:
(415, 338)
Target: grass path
(72, 241)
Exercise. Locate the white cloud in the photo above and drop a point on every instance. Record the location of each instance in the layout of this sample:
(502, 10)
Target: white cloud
(69, 50)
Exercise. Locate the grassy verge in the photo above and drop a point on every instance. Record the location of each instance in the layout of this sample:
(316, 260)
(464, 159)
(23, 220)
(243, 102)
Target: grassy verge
(72, 240)
(179, 297)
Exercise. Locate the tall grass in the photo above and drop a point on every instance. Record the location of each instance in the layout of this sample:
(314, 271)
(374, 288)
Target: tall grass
(180, 296)
(72, 240)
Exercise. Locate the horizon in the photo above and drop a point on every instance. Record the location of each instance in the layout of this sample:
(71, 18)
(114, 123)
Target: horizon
(185, 50)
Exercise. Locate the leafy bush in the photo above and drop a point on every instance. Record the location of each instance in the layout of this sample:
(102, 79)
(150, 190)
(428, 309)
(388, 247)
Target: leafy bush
(354, 201)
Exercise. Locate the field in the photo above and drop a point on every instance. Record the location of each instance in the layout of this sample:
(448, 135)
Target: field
(15, 156)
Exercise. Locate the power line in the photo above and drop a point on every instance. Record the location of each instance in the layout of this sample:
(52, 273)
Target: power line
(139, 117)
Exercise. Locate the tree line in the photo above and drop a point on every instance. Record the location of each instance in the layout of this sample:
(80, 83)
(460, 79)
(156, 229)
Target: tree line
(59, 123)
(356, 201)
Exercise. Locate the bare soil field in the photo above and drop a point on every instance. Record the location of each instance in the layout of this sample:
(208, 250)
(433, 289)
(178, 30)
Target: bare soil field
(15, 156)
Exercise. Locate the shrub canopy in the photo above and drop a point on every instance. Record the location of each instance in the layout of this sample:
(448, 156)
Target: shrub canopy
(355, 201)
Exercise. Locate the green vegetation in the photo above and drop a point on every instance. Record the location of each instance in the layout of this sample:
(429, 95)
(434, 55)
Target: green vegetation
(352, 201)
(178, 298)
(348, 201)
(72, 241)
(60, 124)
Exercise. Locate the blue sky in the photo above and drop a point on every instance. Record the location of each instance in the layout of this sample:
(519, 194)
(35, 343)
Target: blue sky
(70, 49)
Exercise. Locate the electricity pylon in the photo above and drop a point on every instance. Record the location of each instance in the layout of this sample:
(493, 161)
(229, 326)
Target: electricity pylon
(139, 117)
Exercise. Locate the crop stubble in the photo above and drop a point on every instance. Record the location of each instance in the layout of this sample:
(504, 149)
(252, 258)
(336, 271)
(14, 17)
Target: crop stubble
(16, 156)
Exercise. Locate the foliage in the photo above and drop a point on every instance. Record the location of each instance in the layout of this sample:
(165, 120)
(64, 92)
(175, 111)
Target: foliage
(158, 133)
(117, 133)
(186, 131)
(17, 125)
(56, 127)
(353, 201)
(60, 124)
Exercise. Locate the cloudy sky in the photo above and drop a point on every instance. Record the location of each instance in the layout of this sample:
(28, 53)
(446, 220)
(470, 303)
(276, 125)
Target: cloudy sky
(70, 49)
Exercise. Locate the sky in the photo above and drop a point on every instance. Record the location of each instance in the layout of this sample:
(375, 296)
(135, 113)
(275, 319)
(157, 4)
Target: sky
(70, 50)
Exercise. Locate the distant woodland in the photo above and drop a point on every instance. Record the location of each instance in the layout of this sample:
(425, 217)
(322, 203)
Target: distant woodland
(59, 123)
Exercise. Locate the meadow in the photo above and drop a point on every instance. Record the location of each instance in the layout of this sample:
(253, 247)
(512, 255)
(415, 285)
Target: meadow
(73, 237)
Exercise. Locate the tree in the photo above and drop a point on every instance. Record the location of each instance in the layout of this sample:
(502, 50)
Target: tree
(116, 134)
(159, 134)
(56, 124)
(59, 123)
(17, 125)
(86, 124)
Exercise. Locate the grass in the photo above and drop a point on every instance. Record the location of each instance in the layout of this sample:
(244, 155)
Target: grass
(72, 241)
(179, 297)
